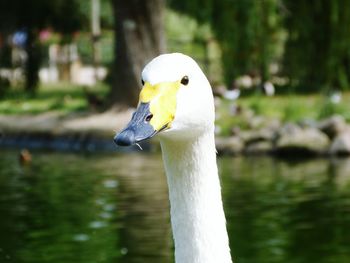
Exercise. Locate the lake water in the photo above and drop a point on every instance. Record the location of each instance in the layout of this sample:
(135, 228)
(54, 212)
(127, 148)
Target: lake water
(94, 208)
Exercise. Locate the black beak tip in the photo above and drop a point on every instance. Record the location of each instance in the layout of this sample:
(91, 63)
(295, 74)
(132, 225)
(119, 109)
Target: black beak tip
(125, 138)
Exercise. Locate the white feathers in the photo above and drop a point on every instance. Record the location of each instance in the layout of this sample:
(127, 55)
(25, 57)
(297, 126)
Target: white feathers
(188, 148)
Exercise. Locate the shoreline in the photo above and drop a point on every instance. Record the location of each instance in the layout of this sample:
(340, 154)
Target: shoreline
(94, 132)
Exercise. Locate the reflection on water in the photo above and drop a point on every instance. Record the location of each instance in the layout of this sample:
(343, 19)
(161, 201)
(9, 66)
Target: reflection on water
(114, 208)
(75, 208)
(287, 212)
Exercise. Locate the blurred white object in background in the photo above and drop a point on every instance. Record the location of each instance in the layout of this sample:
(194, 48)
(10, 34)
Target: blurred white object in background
(244, 81)
(269, 88)
(335, 97)
(232, 94)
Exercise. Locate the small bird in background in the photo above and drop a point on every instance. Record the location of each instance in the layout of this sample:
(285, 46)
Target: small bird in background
(25, 157)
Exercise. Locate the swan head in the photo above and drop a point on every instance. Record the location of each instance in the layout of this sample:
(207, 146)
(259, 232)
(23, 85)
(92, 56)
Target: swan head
(175, 101)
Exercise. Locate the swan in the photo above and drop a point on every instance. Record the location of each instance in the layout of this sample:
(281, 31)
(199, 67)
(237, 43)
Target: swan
(176, 102)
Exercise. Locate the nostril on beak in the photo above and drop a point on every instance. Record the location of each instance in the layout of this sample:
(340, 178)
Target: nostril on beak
(125, 138)
(149, 117)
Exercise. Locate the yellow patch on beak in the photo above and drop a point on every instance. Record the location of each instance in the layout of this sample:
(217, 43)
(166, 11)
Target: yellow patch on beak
(162, 99)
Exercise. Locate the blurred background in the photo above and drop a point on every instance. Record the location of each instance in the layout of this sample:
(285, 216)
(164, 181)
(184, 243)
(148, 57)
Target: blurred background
(70, 77)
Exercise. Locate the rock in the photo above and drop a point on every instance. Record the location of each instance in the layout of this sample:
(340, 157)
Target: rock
(311, 123)
(289, 128)
(266, 133)
(219, 91)
(235, 131)
(256, 122)
(252, 136)
(292, 138)
(259, 147)
(332, 126)
(229, 145)
(273, 124)
(260, 122)
(246, 114)
(341, 143)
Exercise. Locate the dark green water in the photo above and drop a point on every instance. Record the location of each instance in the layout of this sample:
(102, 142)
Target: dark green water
(114, 208)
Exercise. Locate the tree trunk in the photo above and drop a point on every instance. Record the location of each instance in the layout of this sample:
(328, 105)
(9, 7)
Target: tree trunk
(32, 63)
(139, 37)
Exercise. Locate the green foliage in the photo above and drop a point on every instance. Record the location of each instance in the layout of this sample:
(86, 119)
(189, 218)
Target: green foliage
(4, 87)
(317, 51)
(248, 31)
(329, 108)
(294, 110)
(193, 42)
(309, 39)
(257, 104)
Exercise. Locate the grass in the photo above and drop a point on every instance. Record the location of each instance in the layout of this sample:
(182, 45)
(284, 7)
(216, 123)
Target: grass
(62, 98)
(298, 107)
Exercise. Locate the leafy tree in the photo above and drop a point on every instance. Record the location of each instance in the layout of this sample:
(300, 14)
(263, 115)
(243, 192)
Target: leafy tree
(317, 51)
(247, 30)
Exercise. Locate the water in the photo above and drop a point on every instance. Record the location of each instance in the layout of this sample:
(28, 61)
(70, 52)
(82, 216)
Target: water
(114, 208)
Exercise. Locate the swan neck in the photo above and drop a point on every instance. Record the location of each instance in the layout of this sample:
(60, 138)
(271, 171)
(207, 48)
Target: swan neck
(197, 215)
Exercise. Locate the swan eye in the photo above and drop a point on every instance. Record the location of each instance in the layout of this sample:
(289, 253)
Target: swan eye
(142, 82)
(185, 80)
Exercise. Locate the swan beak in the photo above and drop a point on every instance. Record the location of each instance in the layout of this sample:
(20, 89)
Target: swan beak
(138, 129)
(155, 113)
